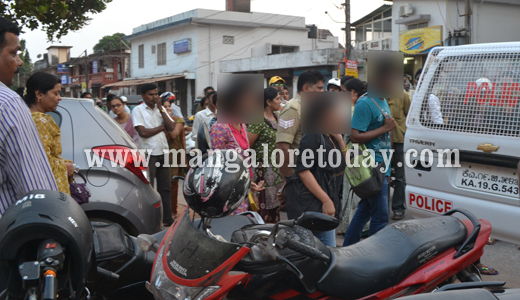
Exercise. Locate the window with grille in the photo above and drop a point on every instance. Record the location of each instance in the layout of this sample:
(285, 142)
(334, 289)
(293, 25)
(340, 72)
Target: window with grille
(277, 49)
(140, 53)
(161, 54)
(228, 40)
(417, 25)
(470, 90)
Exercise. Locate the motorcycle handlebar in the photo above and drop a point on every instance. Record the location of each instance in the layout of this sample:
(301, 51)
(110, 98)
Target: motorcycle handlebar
(106, 274)
(306, 250)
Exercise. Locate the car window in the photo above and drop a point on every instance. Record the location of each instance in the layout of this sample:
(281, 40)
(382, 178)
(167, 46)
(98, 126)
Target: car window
(477, 93)
(56, 116)
(113, 123)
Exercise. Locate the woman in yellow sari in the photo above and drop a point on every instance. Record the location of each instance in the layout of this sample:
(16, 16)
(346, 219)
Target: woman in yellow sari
(42, 95)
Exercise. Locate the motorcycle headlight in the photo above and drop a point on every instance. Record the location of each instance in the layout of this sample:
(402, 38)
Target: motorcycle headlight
(165, 289)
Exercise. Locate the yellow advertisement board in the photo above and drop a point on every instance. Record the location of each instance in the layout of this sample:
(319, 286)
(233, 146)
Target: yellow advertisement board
(421, 40)
(351, 68)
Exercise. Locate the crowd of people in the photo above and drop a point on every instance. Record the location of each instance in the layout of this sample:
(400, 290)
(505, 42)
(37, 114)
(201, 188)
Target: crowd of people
(157, 124)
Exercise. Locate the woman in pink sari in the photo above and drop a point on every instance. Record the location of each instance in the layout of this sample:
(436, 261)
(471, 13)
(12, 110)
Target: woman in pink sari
(234, 136)
(123, 118)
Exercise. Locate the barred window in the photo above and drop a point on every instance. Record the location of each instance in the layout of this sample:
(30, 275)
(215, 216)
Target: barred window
(469, 90)
(140, 53)
(161, 54)
(228, 40)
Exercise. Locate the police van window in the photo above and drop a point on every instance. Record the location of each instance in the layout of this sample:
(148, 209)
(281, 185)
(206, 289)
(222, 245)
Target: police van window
(476, 93)
(56, 116)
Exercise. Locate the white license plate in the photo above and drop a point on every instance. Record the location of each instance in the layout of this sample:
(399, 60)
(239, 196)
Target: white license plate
(490, 179)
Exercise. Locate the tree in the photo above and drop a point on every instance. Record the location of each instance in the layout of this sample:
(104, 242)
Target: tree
(25, 70)
(55, 17)
(109, 42)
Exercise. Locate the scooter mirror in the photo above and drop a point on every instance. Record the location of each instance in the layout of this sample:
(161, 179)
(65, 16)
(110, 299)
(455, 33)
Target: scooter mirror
(317, 221)
(147, 243)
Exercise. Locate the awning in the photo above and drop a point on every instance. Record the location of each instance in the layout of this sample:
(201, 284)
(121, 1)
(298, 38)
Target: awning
(141, 81)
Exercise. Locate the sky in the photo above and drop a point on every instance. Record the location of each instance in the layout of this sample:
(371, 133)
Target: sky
(124, 15)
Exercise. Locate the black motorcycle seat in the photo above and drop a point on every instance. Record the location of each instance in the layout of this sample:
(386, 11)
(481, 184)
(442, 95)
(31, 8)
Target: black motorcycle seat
(227, 225)
(389, 256)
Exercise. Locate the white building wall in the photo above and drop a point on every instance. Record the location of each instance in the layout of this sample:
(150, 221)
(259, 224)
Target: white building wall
(495, 22)
(251, 39)
(491, 21)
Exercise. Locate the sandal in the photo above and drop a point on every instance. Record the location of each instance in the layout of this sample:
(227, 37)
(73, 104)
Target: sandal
(485, 270)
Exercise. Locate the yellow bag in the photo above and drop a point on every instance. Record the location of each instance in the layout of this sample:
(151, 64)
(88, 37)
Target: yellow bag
(252, 202)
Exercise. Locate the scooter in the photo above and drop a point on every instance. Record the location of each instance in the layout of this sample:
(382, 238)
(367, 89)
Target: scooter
(285, 260)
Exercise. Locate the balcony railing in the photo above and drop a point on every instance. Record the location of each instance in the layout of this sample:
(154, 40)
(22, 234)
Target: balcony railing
(103, 78)
(98, 78)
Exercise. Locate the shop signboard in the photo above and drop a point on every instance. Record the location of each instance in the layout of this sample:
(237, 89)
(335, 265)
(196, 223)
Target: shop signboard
(351, 68)
(182, 46)
(421, 40)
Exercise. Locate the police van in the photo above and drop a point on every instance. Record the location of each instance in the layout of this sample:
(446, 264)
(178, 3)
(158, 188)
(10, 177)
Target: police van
(462, 144)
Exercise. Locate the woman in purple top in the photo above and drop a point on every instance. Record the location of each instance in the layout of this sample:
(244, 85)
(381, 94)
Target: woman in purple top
(123, 118)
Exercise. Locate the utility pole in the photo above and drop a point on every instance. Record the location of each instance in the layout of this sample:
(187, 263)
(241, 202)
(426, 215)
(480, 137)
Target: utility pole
(467, 22)
(348, 43)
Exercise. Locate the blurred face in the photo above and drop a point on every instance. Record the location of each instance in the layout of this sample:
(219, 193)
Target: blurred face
(208, 91)
(168, 107)
(150, 97)
(205, 103)
(49, 101)
(275, 104)
(317, 87)
(9, 59)
(117, 106)
(88, 96)
(407, 86)
(333, 121)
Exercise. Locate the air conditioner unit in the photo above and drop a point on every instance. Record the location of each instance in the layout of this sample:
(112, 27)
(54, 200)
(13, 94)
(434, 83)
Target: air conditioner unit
(406, 10)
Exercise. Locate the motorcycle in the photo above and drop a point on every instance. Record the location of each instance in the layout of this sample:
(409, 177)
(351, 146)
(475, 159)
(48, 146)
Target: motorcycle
(285, 260)
(50, 250)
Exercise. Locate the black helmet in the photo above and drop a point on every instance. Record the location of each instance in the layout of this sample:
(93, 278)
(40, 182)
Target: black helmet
(217, 187)
(42, 215)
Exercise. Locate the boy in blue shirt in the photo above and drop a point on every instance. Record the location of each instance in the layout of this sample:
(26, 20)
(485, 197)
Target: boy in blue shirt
(372, 125)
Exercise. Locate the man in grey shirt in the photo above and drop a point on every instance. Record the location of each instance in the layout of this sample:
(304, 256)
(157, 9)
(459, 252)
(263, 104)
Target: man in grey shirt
(23, 163)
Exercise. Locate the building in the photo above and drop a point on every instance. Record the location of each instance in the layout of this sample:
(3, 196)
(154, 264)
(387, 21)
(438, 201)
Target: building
(184, 53)
(95, 71)
(98, 69)
(417, 26)
(49, 61)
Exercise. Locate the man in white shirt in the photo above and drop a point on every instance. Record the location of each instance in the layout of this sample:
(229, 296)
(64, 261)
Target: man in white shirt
(151, 121)
(204, 116)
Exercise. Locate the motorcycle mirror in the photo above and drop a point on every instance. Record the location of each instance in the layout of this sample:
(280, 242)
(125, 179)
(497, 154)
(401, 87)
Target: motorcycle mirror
(317, 221)
(147, 243)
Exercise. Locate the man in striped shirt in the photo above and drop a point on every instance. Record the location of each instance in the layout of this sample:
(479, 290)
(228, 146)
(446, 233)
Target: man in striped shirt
(23, 163)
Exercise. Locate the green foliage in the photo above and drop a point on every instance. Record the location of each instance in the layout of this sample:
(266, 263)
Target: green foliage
(109, 42)
(26, 69)
(55, 17)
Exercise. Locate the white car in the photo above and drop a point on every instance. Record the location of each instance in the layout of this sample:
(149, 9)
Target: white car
(468, 101)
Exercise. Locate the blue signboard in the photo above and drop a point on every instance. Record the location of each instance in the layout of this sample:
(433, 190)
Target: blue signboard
(65, 79)
(62, 68)
(94, 66)
(182, 46)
